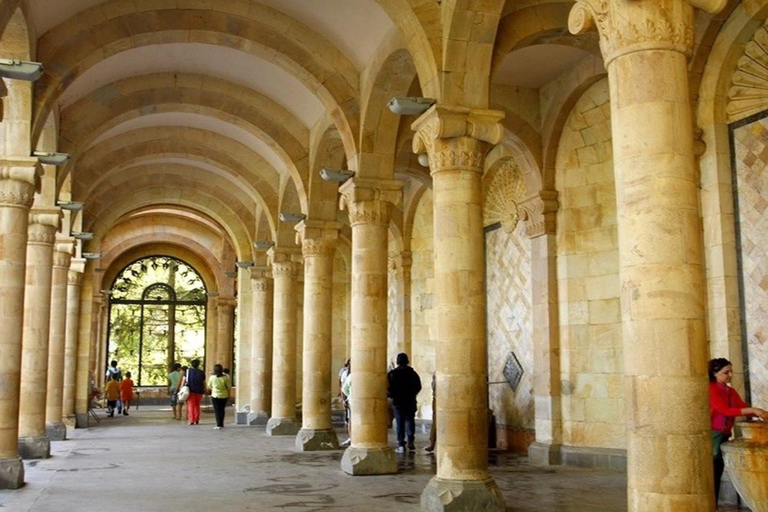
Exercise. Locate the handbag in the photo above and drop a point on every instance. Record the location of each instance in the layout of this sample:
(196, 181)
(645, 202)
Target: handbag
(183, 393)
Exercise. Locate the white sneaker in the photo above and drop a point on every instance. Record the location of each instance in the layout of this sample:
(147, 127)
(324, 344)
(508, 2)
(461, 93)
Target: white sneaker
(216, 428)
(400, 449)
(347, 442)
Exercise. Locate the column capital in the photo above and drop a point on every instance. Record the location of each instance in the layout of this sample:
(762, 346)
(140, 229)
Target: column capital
(19, 178)
(400, 262)
(284, 261)
(317, 237)
(456, 137)
(228, 303)
(43, 224)
(370, 201)
(540, 213)
(74, 277)
(626, 27)
(260, 279)
(261, 272)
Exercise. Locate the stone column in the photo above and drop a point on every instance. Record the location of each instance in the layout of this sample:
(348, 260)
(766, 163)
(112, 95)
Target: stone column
(645, 46)
(87, 337)
(33, 443)
(285, 271)
(539, 216)
(55, 429)
(370, 204)
(401, 264)
(261, 347)
(225, 335)
(74, 281)
(318, 245)
(456, 140)
(245, 324)
(17, 189)
(211, 331)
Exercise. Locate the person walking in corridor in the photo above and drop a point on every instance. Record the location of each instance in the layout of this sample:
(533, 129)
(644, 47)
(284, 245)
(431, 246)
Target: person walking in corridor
(194, 378)
(174, 378)
(126, 392)
(404, 386)
(219, 386)
(112, 394)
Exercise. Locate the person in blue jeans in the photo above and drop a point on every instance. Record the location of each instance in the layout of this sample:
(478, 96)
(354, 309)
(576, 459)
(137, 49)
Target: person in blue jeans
(404, 386)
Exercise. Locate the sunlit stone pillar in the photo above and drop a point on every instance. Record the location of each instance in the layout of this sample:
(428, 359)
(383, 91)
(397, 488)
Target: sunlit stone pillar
(645, 46)
(225, 336)
(318, 245)
(285, 270)
(55, 429)
(87, 337)
(245, 323)
(17, 188)
(261, 347)
(211, 332)
(74, 281)
(33, 443)
(400, 266)
(370, 204)
(456, 140)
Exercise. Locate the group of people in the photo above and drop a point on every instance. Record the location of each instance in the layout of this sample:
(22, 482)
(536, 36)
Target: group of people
(118, 391)
(403, 386)
(217, 385)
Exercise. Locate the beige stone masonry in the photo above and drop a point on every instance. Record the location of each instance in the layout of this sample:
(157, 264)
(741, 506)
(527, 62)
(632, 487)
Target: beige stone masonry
(318, 245)
(43, 224)
(400, 269)
(243, 356)
(74, 285)
(225, 308)
(62, 257)
(18, 179)
(369, 203)
(645, 45)
(261, 346)
(456, 140)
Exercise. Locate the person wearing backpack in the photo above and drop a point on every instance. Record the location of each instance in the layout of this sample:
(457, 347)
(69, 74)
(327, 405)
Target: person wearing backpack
(404, 385)
(114, 371)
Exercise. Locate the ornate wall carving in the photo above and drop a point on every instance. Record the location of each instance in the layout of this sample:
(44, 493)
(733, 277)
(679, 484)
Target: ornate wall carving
(748, 92)
(503, 196)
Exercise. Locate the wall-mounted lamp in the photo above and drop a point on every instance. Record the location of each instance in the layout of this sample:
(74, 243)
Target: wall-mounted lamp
(91, 255)
(291, 217)
(51, 158)
(20, 69)
(107, 292)
(244, 264)
(340, 175)
(410, 106)
(83, 235)
(423, 159)
(230, 273)
(73, 206)
(263, 245)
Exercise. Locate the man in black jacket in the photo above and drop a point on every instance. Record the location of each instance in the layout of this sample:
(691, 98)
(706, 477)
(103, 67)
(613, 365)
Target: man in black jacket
(404, 385)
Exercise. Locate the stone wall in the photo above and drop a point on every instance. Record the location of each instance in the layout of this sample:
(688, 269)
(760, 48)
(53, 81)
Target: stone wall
(340, 327)
(751, 158)
(587, 268)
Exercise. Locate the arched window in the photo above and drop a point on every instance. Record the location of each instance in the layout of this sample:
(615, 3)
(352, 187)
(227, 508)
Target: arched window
(156, 317)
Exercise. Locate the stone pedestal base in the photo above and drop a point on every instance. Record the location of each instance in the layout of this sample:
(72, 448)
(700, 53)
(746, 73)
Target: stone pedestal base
(241, 417)
(81, 420)
(56, 431)
(282, 427)
(459, 495)
(544, 454)
(70, 421)
(11, 473)
(258, 418)
(369, 461)
(309, 440)
(34, 447)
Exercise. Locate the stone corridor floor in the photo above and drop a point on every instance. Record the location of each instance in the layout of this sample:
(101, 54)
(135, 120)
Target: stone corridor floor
(147, 462)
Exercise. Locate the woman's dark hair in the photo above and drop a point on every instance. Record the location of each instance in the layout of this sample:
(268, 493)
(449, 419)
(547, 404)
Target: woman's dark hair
(715, 365)
(195, 363)
(218, 370)
(128, 374)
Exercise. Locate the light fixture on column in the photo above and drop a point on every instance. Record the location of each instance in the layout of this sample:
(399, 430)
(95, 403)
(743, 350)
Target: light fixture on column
(20, 69)
(230, 273)
(82, 235)
(263, 245)
(291, 217)
(244, 264)
(91, 255)
(410, 106)
(423, 159)
(51, 158)
(340, 175)
(72, 206)
(107, 292)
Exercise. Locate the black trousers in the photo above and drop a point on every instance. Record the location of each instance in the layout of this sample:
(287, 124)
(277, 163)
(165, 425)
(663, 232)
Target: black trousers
(219, 404)
(719, 468)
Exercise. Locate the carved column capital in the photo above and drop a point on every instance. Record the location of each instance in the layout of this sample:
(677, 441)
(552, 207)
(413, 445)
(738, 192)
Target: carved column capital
(74, 278)
(370, 201)
(456, 137)
(317, 238)
(226, 304)
(61, 259)
(284, 262)
(540, 213)
(631, 26)
(43, 224)
(260, 278)
(19, 178)
(400, 263)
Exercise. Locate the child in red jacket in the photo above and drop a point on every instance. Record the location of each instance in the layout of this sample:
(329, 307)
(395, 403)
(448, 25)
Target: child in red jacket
(126, 392)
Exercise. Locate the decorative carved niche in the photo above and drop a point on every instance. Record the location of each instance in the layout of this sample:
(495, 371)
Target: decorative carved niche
(502, 196)
(748, 92)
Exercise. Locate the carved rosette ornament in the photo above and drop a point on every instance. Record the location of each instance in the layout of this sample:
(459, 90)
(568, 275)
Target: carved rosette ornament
(19, 178)
(43, 225)
(540, 214)
(456, 138)
(370, 201)
(627, 26)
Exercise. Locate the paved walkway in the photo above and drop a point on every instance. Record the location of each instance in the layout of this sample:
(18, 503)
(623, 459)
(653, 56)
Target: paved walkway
(147, 462)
